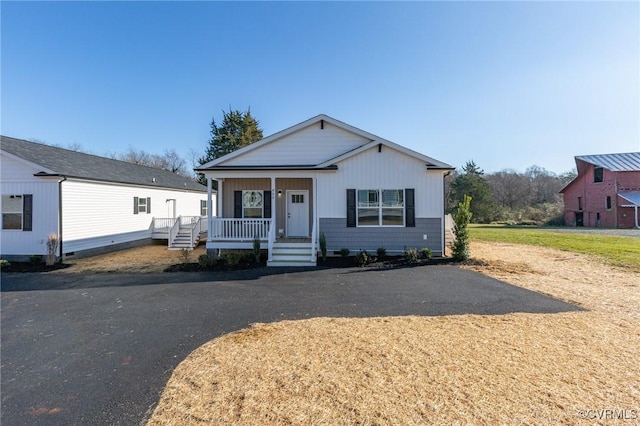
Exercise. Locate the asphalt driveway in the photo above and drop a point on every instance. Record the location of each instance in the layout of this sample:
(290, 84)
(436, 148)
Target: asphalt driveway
(98, 349)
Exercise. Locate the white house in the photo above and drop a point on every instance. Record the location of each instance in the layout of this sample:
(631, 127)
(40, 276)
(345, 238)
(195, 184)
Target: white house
(323, 176)
(93, 203)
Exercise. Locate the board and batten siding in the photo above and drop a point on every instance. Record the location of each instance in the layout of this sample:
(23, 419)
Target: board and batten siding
(382, 169)
(264, 184)
(97, 214)
(17, 178)
(388, 169)
(309, 146)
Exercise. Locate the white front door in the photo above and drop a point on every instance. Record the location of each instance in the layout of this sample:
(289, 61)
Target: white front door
(171, 208)
(297, 213)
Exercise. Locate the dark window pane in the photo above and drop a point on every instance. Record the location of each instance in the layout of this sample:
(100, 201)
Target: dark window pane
(368, 217)
(11, 221)
(392, 217)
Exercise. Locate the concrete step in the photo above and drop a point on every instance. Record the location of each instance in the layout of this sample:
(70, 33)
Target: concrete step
(290, 263)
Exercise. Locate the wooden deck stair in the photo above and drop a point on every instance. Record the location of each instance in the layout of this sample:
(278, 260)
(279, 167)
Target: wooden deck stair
(183, 240)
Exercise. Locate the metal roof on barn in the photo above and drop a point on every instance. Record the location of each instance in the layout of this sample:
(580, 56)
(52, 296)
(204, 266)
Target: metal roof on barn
(627, 162)
(72, 164)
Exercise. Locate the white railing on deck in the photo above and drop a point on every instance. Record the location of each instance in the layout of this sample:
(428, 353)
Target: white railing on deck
(162, 224)
(230, 229)
(195, 230)
(174, 231)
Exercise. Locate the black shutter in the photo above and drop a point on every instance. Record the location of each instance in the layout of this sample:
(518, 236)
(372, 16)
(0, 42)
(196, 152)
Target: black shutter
(135, 205)
(237, 204)
(266, 199)
(148, 205)
(351, 208)
(410, 208)
(27, 212)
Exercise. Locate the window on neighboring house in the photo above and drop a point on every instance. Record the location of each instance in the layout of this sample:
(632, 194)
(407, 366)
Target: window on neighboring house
(380, 207)
(203, 207)
(579, 203)
(17, 212)
(252, 204)
(608, 202)
(598, 174)
(141, 205)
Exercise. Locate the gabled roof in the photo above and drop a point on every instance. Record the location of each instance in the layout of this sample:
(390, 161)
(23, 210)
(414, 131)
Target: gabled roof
(625, 162)
(370, 140)
(72, 164)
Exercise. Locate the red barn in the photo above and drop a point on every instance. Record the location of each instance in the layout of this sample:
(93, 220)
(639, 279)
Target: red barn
(606, 192)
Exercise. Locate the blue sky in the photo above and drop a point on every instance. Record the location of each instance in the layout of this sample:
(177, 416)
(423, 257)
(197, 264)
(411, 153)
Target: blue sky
(507, 84)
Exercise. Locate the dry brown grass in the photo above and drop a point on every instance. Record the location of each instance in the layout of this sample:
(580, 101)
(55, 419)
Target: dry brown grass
(470, 369)
(152, 258)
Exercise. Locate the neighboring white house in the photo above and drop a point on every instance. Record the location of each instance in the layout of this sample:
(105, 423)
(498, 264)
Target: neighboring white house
(93, 203)
(324, 176)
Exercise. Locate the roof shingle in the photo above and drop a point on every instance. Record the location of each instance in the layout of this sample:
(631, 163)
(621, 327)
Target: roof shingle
(75, 164)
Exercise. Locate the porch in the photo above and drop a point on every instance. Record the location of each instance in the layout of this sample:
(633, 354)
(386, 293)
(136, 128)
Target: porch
(278, 211)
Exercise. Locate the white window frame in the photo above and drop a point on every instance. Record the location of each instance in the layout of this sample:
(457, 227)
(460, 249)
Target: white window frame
(204, 209)
(142, 208)
(261, 207)
(380, 208)
(21, 212)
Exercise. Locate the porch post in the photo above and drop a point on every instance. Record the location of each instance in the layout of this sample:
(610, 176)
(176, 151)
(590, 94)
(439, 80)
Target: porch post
(209, 207)
(636, 209)
(219, 199)
(272, 228)
(314, 228)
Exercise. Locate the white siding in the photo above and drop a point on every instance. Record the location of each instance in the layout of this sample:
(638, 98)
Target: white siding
(309, 146)
(16, 178)
(389, 169)
(101, 214)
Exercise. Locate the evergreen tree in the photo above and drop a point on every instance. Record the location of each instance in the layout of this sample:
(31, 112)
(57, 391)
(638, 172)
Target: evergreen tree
(461, 219)
(238, 129)
(473, 183)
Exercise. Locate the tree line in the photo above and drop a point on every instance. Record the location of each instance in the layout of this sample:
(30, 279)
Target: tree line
(509, 196)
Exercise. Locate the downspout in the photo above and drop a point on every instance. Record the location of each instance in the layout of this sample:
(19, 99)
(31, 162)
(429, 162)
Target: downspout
(64, 178)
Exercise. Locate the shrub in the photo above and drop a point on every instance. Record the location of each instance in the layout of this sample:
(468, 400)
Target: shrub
(52, 247)
(232, 259)
(362, 258)
(36, 259)
(185, 255)
(4, 263)
(381, 252)
(323, 246)
(206, 262)
(426, 253)
(461, 219)
(256, 249)
(344, 252)
(411, 255)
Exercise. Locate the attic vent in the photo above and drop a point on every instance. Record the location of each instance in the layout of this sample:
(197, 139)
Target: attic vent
(322, 124)
(379, 147)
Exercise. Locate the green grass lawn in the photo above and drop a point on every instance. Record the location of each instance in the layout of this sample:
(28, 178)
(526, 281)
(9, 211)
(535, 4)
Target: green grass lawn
(617, 250)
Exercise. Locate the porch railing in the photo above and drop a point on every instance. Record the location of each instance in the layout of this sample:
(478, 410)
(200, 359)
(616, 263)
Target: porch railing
(231, 229)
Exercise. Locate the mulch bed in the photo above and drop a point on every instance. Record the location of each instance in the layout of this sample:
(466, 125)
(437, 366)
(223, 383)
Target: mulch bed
(33, 267)
(330, 262)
